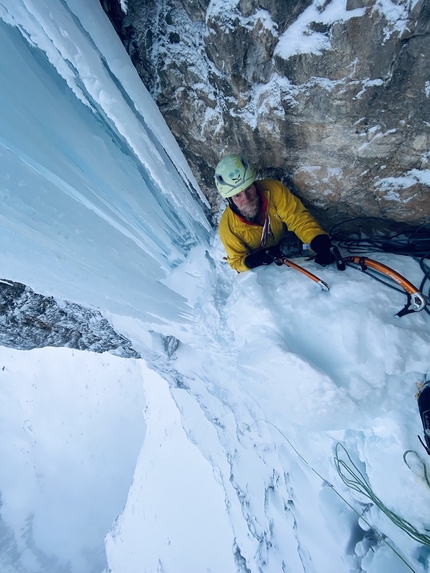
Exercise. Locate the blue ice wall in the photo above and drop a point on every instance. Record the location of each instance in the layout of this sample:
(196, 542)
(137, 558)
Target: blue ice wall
(97, 202)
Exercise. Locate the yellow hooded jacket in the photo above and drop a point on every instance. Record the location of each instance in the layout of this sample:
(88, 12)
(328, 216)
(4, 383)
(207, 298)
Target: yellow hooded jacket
(286, 213)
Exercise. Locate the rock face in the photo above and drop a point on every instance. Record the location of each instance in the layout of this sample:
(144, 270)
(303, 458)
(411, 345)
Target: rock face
(29, 320)
(330, 96)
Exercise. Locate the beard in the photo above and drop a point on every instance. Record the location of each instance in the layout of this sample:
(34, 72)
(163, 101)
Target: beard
(250, 211)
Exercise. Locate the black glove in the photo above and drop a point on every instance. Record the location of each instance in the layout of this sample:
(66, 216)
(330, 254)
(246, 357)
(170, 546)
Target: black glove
(321, 245)
(263, 257)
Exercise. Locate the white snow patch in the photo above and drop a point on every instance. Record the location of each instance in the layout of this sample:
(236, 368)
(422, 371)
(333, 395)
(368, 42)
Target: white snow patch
(175, 518)
(334, 172)
(392, 196)
(71, 431)
(378, 135)
(299, 37)
(228, 17)
(408, 180)
(264, 18)
(396, 14)
(267, 99)
(309, 168)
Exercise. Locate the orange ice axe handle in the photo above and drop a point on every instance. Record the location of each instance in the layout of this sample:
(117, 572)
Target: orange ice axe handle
(416, 300)
(324, 286)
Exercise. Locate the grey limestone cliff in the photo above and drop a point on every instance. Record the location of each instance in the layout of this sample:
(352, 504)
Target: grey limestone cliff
(29, 320)
(331, 96)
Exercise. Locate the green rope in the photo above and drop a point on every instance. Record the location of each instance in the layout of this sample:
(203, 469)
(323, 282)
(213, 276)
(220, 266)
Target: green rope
(339, 463)
(425, 473)
(355, 480)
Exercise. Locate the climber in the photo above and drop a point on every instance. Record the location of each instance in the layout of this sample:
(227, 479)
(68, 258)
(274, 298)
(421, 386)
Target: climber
(259, 215)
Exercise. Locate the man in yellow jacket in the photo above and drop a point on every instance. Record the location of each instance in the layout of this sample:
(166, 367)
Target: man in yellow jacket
(259, 215)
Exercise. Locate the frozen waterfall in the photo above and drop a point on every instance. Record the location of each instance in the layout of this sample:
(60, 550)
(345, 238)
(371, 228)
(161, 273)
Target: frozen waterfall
(96, 195)
(215, 452)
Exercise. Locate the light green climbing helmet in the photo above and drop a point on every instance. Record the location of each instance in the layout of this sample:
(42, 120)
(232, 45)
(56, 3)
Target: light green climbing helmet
(233, 174)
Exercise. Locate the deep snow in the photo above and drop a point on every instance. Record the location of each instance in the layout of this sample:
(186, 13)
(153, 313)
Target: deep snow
(215, 452)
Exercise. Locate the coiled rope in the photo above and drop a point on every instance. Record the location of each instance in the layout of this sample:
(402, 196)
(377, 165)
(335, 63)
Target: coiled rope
(355, 480)
(423, 465)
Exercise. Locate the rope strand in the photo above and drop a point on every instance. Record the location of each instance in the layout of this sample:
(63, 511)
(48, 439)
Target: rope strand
(354, 479)
(355, 484)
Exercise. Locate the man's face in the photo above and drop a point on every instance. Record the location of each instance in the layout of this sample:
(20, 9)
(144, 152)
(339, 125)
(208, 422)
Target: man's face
(247, 201)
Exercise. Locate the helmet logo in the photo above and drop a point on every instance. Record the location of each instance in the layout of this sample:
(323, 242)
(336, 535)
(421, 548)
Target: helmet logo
(235, 176)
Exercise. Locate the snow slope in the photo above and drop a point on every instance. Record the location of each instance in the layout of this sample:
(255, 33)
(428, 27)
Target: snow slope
(216, 452)
(281, 366)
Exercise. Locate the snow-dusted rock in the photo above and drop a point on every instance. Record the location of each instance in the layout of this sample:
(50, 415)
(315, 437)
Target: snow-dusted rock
(332, 97)
(29, 320)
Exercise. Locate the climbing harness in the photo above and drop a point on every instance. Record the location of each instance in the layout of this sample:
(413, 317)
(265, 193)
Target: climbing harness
(292, 247)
